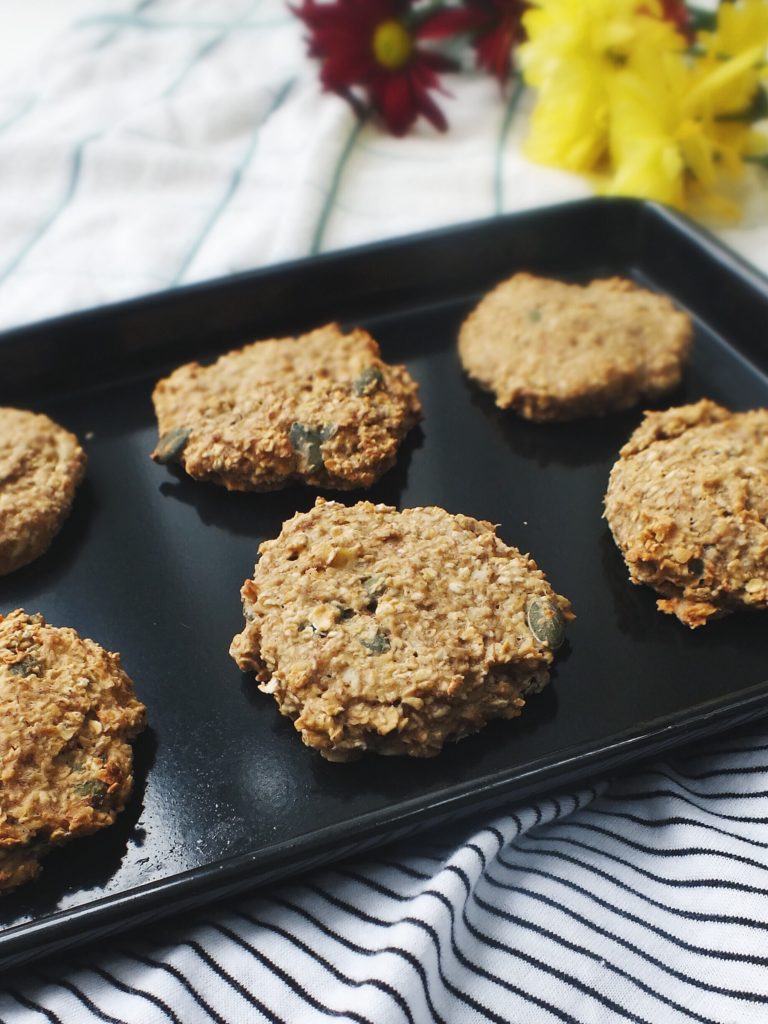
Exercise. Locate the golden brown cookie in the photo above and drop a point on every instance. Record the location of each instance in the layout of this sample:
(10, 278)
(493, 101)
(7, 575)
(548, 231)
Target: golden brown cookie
(687, 503)
(67, 712)
(41, 465)
(323, 409)
(394, 631)
(555, 351)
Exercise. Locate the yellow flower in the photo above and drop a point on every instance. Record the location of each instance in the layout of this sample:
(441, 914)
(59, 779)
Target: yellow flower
(574, 52)
(621, 93)
(643, 143)
(569, 124)
(668, 139)
(741, 32)
(740, 26)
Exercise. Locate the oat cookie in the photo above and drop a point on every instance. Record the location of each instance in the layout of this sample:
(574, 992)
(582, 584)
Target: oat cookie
(555, 351)
(67, 712)
(394, 631)
(687, 503)
(41, 465)
(322, 408)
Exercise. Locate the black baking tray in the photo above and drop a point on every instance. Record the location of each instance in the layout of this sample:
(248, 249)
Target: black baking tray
(150, 563)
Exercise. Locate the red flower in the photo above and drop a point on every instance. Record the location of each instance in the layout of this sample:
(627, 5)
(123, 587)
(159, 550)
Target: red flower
(676, 12)
(372, 45)
(495, 26)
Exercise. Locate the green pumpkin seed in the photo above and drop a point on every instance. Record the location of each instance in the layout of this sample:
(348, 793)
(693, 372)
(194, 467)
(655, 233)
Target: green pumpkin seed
(25, 667)
(546, 622)
(374, 587)
(534, 315)
(96, 792)
(306, 442)
(171, 445)
(378, 644)
(370, 379)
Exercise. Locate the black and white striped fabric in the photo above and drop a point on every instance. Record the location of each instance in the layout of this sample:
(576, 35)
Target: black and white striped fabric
(643, 898)
(191, 138)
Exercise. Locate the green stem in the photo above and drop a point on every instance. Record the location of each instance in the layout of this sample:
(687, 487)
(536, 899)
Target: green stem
(509, 113)
(702, 19)
(415, 18)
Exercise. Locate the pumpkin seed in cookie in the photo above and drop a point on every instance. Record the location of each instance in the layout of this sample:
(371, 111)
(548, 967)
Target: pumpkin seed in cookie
(26, 667)
(610, 345)
(379, 643)
(94, 790)
(307, 441)
(171, 445)
(67, 716)
(546, 622)
(259, 413)
(370, 379)
(447, 650)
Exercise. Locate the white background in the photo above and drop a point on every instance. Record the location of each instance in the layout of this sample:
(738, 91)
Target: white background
(28, 26)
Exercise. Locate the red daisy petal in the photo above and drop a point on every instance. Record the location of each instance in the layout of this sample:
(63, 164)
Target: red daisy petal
(494, 52)
(676, 12)
(432, 112)
(343, 70)
(493, 45)
(394, 100)
(445, 24)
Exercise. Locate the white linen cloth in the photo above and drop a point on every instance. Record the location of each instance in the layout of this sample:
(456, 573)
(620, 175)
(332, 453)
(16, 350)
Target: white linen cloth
(181, 140)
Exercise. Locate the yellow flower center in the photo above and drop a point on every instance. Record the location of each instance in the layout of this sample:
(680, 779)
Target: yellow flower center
(392, 45)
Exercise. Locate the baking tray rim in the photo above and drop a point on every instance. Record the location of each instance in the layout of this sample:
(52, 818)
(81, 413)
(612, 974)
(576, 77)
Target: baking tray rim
(248, 871)
(641, 209)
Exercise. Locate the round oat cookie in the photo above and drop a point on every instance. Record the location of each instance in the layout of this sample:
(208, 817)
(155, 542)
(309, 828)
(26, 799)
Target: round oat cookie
(41, 465)
(394, 631)
(322, 408)
(67, 712)
(555, 351)
(687, 504)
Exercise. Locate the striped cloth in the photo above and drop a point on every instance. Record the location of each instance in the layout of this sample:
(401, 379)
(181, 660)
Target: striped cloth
(184, 139)
(642, 899)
